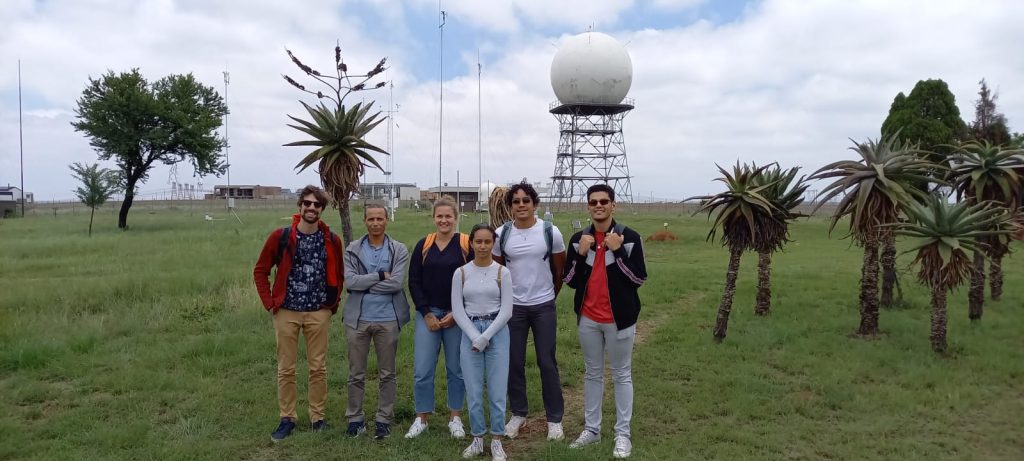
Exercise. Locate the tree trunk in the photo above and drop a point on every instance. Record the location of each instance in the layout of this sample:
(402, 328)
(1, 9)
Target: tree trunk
(346, 221)
(996, 277)
(976, 295)
(869, 291)
(764, 283)
(129, 197)
(91, 214)
(722, 322)
(938, 334)
(888, 269)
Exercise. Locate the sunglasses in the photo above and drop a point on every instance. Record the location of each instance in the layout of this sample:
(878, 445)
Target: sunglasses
(310, 203)
(602, 202)
(523, 201)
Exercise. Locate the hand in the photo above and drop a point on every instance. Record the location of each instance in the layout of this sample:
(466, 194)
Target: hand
(387, 275)
(613, 241)
(447, 321)
(432, 323)
(586, 241)
(480, 343)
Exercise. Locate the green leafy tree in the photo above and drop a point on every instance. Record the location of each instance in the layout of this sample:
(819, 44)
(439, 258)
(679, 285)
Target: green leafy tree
(98, 185)
(338, 133)
(138, 124)
(785, 192)
(928, 117)
(945, 233)
(989, 124)
(887, 175)
(987, 173)
(746, 218)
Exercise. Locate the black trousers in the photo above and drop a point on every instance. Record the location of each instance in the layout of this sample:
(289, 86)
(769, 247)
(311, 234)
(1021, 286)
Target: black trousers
(542, 319)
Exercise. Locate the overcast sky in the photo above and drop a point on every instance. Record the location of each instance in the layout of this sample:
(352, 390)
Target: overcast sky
(714, 82)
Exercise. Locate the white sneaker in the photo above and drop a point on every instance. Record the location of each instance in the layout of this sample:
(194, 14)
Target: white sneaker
(623, 447)
(555, 431)
(474, 449)
(586, 438)
(455, 427)
(418, 427)
(513, 425)
(497, 452)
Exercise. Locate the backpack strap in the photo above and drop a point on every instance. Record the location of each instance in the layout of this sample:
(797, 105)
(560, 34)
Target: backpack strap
(549, 237)
(282, 244)
(427, 243)
(499, 279)
(464, 244)
(506, 229)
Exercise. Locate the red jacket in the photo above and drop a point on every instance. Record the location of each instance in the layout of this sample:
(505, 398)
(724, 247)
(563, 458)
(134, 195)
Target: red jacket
(273, 296)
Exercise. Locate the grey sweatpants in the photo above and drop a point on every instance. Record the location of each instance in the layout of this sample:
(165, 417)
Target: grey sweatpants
(598, 340)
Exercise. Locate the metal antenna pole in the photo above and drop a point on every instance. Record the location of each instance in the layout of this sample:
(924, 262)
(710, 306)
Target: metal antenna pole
(227, 159)
(21, 144)
(479, 133)
(440, 119)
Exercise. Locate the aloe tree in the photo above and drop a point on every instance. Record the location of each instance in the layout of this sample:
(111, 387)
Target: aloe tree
(338, 132)
(785, 193)
(945, 233)
(986, 172)
(876, 185)
(746, 217)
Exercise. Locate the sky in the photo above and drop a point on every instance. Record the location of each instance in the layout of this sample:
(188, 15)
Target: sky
(714, 82)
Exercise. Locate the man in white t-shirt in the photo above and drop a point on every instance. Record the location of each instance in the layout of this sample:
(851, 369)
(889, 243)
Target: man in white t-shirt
(534, 253)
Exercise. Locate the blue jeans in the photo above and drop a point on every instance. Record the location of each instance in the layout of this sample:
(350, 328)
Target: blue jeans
(426, 349)
(492, 362)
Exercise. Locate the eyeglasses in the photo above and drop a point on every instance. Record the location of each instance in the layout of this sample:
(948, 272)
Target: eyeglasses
(602, 201)
(310, 203)
(523, 200)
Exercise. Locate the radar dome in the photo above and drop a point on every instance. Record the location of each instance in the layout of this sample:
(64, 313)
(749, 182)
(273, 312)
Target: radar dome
(485, 190)
(591, 68)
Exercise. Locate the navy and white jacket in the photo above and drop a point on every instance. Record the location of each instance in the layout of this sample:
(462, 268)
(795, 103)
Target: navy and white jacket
(626, 269)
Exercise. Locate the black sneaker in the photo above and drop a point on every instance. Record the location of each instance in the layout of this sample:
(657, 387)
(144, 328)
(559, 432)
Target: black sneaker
(320, 426)
(283, 430)
(383, 431)
(355, 428)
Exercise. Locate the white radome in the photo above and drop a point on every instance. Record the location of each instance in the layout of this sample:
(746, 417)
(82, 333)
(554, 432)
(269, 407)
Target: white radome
(591, 68)
(485, 190)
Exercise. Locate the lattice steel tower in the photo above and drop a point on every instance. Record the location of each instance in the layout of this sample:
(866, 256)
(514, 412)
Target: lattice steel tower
(590, 74)
(591, 150)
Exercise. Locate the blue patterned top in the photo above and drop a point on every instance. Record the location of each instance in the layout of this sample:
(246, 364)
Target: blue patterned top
(307, 280)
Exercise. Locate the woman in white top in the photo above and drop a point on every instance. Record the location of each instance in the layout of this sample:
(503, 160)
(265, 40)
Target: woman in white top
(482, 305)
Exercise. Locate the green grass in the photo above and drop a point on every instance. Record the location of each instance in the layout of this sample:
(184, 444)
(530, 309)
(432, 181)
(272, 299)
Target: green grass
(151, 344)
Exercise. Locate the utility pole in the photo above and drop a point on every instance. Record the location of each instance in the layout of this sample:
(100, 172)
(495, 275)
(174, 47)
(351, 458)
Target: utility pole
(21, 144)
(440, 118)
(227, 159)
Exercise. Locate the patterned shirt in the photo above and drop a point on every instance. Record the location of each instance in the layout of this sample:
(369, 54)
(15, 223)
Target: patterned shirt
(307, 280)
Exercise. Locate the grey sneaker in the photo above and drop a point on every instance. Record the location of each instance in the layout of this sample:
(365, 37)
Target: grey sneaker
(513, 425)
(623, 447)
(555, 431)
(456, 429)
(476, 448)
(497, 452)
(586, 438)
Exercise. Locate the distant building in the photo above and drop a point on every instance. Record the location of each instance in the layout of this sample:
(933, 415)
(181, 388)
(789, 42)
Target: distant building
(10, 200)
(467, 196)
(246, 191)
(382, 191)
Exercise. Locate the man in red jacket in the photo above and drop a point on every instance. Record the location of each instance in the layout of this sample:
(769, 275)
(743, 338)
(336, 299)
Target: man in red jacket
(305, 293)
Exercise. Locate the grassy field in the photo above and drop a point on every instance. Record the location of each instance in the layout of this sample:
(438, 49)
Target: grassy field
(151, 344)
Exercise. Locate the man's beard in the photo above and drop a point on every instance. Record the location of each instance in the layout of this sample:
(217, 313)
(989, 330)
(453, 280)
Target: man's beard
(315, 218)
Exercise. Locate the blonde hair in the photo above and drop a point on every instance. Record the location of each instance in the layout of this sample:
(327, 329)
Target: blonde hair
(447, 201)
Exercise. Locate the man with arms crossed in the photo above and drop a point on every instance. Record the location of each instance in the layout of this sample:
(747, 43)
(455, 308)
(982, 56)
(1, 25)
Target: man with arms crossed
(375, 310)
(606, 267)
(534, 253)
(304, 295)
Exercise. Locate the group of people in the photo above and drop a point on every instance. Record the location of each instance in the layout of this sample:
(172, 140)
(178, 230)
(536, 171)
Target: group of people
(477, 295)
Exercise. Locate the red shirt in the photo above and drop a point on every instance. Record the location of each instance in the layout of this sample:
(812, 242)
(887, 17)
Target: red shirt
(596, 304)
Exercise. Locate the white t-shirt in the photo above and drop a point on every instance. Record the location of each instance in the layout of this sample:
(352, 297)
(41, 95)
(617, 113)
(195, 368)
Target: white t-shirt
(532, 282)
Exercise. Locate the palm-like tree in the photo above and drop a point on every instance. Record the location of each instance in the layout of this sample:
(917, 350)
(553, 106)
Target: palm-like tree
(746, 219)
(946, 232)
(785, 193)
(986, 172)
(338, 133)
(876, 185)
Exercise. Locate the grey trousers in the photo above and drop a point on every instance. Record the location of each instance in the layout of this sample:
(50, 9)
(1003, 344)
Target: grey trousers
(598, 340)
(385, 340)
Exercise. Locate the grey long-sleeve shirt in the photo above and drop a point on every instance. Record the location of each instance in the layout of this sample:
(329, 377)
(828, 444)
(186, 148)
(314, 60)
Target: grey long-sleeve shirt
(477, 292)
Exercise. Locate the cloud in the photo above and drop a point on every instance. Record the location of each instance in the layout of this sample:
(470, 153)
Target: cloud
(787, 82)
